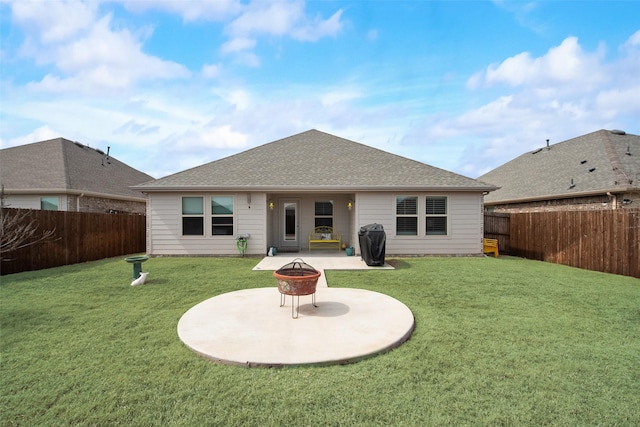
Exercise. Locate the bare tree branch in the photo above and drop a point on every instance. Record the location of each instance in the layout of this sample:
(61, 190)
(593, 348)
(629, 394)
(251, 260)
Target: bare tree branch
(17, 230)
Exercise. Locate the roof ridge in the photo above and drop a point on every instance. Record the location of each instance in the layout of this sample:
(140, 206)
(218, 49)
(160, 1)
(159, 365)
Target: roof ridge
(614, 159)
(65, 161)
(367, 146)
(328, 162)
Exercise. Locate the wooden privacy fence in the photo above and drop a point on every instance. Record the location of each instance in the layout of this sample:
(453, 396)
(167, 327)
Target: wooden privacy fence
(79, 237)
(604, 240)
(496, 226)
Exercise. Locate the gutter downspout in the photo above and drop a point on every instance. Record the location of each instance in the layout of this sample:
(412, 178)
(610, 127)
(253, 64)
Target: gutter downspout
(78, 202)
(614, 200)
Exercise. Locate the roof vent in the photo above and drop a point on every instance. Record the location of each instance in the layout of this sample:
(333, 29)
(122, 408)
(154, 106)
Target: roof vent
(572, 184)
(592, 169)
(617, 132)
(583, 162)
(628, 153)
(540, 149)
(106, 157)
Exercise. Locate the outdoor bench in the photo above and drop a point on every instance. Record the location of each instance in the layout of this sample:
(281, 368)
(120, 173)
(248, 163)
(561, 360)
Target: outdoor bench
(324, 236)
(490, 246)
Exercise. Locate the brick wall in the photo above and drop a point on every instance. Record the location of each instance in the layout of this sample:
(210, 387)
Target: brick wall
(103, 205)
(620, 201)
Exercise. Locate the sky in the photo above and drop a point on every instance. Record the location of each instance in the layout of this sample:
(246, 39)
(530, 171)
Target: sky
(461, 85)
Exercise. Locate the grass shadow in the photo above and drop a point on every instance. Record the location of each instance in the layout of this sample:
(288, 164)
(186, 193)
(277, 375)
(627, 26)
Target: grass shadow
(398, 264)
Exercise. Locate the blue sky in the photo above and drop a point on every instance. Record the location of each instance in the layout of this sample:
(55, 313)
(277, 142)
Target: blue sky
(461, 85)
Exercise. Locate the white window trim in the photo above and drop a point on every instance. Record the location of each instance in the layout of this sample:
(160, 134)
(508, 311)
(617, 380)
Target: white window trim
(416, 215)
(203, 216)
(447, 216)
(333, 208)
(233, 215)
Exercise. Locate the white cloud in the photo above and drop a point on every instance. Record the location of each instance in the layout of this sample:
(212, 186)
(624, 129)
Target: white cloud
(628, 69)
(136, 127)
(633, 41)
(525, 14)
(40, 134)
(195, 146)
(252, 18)
(239, 98)
(54, 22)
(340, 96)
(210, 71)
(272, 17)
(170, 105)
(221, 137)
(516, 103)
(190, 10)
(562, 94)
(206, 138)
(476, 80)
(238, 44)
(319, 28)
(566, 64)
(619, 101)
(282, 18)
(103, 59)
(249, 59)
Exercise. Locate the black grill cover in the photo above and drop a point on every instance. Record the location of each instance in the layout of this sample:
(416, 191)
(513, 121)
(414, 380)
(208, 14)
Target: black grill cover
(372, 244)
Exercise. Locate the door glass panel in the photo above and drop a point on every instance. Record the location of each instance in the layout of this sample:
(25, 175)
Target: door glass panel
(290, 221)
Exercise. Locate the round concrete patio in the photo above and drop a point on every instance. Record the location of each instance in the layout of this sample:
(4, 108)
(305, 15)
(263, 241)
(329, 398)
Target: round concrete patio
(249, 327)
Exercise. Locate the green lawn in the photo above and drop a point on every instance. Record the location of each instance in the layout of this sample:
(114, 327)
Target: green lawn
(500, 341)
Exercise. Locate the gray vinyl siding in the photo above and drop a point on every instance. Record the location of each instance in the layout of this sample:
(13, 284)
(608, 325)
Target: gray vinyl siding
(464, 224)
(265, 226)
(165, 220)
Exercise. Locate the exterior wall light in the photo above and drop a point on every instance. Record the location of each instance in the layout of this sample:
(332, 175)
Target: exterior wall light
(271, 205)
(350, 204)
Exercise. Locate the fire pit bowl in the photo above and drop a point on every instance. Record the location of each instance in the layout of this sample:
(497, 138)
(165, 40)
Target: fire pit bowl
(296, 278)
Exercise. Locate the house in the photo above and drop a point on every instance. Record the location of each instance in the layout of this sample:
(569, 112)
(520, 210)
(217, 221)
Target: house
(59, 174)
(599, 170)
(278, 192)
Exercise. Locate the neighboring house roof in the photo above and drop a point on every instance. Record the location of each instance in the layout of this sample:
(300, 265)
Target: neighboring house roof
(62, 166)
(315, 161)
(596, 163)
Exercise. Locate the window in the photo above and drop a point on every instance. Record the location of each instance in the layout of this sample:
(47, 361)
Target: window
(324, 213)
(436, 221)
(49, 203)
(406, 216)
(222, 215)
(192, 216)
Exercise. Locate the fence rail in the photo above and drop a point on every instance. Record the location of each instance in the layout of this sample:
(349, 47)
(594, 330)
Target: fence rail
(605, 240)
(79, 237)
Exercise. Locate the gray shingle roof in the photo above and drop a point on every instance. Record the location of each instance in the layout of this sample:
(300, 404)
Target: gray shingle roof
(64, 166)
(314, 160)
(596, 163)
